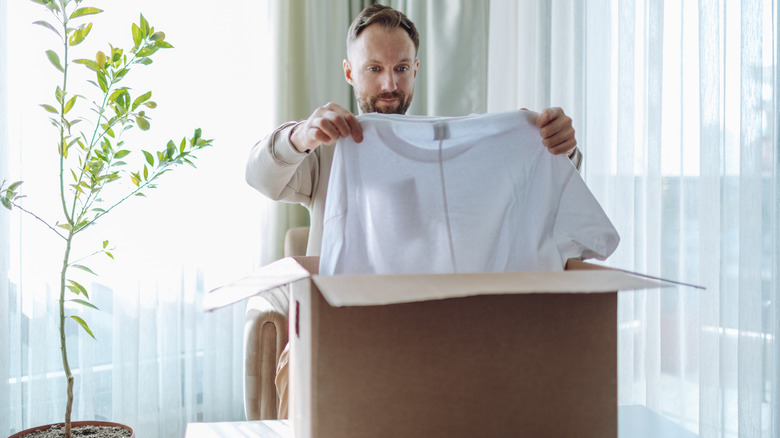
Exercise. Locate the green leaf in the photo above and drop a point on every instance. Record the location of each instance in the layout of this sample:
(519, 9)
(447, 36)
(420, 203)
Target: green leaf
(101, 77)
(150, 104)
(147, 51)
(83, 324)
(83, 224)
(48, 26)
(55, 60)
(85, 11)
(79, 35)
(77, 288)
(84, 303)
(137, 37)
(116, 54)
(115, 94)
(142, 123)
(49, 108)
(110, 255)
(84, 268)
(123, 100)
(69, 105)
(90, 64)
(170, 149)
(120, 74)
(149, 158)
(144, 61)
(144, 26)
(121, 154)
(135, 178)
(141, 99)
(6, 203)
(65, 226)
(105, 244)
(146, 173)
(52, 5)
(163, 45)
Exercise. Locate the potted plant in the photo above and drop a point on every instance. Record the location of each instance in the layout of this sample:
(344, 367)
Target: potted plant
(93, 155)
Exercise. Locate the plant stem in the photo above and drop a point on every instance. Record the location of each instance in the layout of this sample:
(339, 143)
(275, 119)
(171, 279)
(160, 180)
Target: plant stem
(62, 113)
(63, 345)
(69, 218)
(37, 217)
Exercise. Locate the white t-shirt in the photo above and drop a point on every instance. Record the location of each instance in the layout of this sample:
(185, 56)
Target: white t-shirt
(457, 194)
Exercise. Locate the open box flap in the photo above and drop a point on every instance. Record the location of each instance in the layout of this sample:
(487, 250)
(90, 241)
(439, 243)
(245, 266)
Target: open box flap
(374, 290)
(278, 273)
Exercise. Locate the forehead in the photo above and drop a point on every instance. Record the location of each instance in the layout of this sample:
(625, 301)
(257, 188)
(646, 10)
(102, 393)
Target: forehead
(375, 44)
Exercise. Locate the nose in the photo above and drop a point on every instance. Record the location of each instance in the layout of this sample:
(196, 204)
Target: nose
(388, 81)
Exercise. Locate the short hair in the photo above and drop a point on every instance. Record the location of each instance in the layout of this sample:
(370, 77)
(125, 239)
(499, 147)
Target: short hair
(388, 17)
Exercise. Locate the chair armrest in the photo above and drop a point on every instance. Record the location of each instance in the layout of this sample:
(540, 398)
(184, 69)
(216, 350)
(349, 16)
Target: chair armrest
(265, 336)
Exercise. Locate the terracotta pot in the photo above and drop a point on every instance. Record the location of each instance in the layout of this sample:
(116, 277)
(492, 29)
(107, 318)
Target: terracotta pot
(74, 424)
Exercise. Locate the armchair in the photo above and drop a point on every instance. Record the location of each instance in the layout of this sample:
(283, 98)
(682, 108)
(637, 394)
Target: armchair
(265, 336)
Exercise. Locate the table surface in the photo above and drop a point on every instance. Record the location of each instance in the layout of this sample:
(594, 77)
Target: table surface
(633, 422)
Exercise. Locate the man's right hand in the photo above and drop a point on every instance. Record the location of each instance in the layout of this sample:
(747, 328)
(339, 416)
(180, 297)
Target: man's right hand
(325, 125)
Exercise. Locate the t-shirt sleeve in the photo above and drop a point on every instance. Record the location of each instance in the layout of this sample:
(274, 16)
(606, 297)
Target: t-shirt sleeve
(582, 229)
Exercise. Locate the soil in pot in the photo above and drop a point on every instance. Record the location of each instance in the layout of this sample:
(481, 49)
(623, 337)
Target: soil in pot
(82, 429)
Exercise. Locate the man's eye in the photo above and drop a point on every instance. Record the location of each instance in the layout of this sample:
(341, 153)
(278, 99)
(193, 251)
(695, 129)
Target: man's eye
(403, 68)
(373, 69)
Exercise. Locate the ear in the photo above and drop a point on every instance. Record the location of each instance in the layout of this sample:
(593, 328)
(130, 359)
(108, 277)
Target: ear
(416, 66)
(348, 72)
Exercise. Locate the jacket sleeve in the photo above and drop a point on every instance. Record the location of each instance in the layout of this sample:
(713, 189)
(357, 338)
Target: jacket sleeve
(281, 172)
(576, 159)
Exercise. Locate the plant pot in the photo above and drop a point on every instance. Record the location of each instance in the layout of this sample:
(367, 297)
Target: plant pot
(74, 425)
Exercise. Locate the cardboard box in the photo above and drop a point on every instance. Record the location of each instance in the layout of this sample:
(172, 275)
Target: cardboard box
(457, 355)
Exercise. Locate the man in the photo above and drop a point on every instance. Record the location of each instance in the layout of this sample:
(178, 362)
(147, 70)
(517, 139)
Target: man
(292, 164)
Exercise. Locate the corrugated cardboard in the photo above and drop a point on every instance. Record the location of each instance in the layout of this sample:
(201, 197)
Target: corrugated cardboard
(460, 355)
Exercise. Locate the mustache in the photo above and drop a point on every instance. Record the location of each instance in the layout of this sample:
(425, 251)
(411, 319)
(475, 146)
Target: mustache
(389, 95)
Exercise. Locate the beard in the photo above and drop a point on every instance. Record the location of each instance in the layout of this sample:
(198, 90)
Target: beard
(369, 104)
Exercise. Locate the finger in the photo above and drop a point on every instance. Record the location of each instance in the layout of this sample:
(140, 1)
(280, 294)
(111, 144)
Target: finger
(355, 129)
(556, 126)
(319, 137)
(559, 137)
(563, 148)
(327, 132)
(340, 123)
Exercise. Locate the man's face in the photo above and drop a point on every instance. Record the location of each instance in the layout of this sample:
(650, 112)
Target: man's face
(381, 68)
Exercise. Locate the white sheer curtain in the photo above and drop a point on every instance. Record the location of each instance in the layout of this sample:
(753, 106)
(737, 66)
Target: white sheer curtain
(159, 361)
(675, 106)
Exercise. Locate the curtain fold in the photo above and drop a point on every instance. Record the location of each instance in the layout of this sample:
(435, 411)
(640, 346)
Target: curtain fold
(678, 122)
(5, 249)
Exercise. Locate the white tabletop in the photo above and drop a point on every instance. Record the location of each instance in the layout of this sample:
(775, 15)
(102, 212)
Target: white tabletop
(249, 429)
(633, 422)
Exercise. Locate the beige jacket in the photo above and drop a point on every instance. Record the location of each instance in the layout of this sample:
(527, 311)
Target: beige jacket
(279, 171)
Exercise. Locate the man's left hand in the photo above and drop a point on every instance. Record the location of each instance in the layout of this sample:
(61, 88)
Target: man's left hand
(557, 131)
